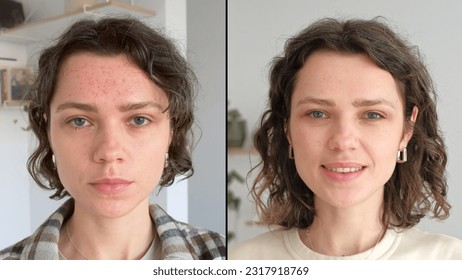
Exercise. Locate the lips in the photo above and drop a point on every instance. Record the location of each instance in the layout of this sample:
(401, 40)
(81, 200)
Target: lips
(344, 169)
(343, 172)
(111, 185)
(110, 181)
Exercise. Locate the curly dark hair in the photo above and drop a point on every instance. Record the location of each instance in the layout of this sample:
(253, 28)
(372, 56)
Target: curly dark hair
(414, 189)
(148, 49)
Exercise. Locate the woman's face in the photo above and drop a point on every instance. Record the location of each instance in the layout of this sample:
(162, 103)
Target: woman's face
(109, 133)
(346, 127)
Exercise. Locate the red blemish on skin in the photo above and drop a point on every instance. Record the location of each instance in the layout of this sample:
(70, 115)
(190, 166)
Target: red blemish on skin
(97, 78)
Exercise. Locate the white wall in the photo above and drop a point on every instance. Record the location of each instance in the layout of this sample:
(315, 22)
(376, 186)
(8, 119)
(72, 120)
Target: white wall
(14, 143)
(257, 30)
(206, 52)
(14, 190)
(24, 206)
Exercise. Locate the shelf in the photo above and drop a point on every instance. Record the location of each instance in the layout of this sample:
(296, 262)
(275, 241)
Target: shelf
(50, 28)
(242, 151)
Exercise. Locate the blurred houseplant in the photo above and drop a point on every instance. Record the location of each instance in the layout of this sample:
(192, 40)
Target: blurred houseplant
(233, 202)
(236, 129)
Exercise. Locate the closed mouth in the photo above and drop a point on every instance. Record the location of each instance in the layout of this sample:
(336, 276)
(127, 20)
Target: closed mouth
(110, 181)
(111, 186)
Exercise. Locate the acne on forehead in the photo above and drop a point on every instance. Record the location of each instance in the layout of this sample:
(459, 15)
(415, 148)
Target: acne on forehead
(96, 73)
(86, 63)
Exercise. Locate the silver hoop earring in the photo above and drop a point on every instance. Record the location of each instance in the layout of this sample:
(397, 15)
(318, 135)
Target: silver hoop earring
(402, 156)
(53, 159)
(291, 152)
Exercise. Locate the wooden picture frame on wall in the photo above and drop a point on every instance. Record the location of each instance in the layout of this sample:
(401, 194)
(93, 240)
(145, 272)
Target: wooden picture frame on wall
(3, 84)
(16, 85)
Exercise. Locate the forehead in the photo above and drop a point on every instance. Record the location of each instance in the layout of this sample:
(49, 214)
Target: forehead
(331, 73)
(101, 77)
(327, 64)
(88, 63)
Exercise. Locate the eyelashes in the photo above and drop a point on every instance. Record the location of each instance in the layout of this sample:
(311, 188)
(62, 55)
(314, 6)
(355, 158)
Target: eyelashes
(374, 115)
(78, 122)
(137, 121)
(317, 115)
(321, 115)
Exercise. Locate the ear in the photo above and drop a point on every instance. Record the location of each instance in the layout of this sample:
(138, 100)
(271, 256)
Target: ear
(409, 130)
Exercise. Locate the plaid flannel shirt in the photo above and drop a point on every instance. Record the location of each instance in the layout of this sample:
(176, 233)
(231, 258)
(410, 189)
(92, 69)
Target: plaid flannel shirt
(180, 241)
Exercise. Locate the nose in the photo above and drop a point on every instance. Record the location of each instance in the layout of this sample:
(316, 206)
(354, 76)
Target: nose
(109, 145)
(343, 136)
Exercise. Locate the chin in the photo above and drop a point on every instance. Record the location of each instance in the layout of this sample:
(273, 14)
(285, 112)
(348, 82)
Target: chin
(114, 208)
(345, 201)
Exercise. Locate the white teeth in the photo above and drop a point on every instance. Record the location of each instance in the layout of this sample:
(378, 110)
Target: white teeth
(344, 169)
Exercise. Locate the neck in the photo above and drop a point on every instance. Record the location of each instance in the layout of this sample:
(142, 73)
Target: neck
(107, 238)
(345, 231)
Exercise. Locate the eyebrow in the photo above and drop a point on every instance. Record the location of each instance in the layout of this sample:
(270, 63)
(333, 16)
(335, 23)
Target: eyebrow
(357, 103)
(76, 105)
(319, 101)
(124, 108)
(372, 102)
(140, 105)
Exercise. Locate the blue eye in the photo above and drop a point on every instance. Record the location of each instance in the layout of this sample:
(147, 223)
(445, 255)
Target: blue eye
(317, 115)
(79, 122)
(373, 115)
(139, 121)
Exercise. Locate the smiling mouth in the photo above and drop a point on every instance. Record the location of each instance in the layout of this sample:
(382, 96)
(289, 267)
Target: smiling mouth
(343, 170)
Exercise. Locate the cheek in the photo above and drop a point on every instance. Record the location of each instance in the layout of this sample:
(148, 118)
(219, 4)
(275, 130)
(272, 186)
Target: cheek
(151, 152)
(308, 142)
(383, 145)
(308, 152)
(386, 152)
(151, 158)
(383, 152)
(150, 163)
(384, 168)
(72, 160)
